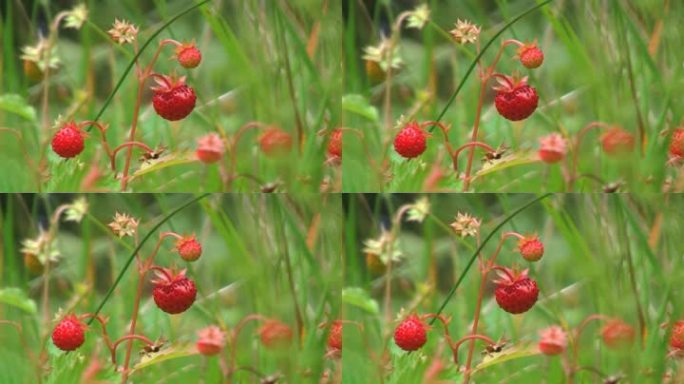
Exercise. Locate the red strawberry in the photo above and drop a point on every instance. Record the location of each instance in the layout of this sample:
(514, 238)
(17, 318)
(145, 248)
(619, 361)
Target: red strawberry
(616, 141)
(211, 340)
(677, 337)
(69, 334)
(410, 141)
(335, 336)
(552, 148)
(515, 292)
(274, 141)
(173, 99)
(68, 141)
(335, 143)
(677, 143)
(210, 148)
(188, 55)
(189, 248)
(515, 100)
(617, 334)
(553, 340)
(173, 292)
(275, 334)
(531, 56)
(410, 334)
(531, 248)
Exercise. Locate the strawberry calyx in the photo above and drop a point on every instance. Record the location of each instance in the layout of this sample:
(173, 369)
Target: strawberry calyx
(166, 83)
(509, 83)
(508, 276)
(167, 276)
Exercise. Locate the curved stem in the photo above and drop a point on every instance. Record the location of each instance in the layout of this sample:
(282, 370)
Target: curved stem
(102, 128)
(454, 347)
(504, 44)
(129, 145)
(578, 141)
(472, 145)
(131, 338)
(445, 133)
(504, 236)
(578, 333)
(236, 333)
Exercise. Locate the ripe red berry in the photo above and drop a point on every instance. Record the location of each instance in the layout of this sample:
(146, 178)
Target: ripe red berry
(173, 292)
(617, 334)
(515, 100)
(275, 334)
(410, 334)
(410, 142)
(189, 248)
(173, 99)
(275, 142)
(69, 334)
(531, 56)
(552, 341)
(335, 335)
(188, 55)
(335, 143)
(210, 148)
(677, 143)
(211, 340)
(616, 141)
(515, 292)
(552, 148)
(531, 248)
(68, 142)
(677, 337)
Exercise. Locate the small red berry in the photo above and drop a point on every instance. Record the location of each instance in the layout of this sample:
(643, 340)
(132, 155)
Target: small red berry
(189, 248)
(617, 334)
(531, 248)
(552, 148)
(68, 142)
(210, 148)
(515, 100)
(335, 143)
(677, 337)
(173, 99)
(211, 340)
(410, 334)
(531, 56)
(188, 55)
(275, 142)
(275, 334)
(553, 341)
(335, 335)
(677, 143)
(173, 293)
(515, 292)
(69, 334)
(617, 141)
(410, 142)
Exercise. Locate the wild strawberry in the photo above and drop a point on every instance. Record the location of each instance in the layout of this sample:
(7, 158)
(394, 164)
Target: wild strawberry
(173, 99)
(552, 341)
(275, 142)
(211, 340)
(552, 148)
(335, 143)
(531, 248)
(617, 334)
(515, 100)
(189, 248)
(275, 334)
(68, 141)
(677, 337)
(173, 292)
(410, 141)
(69, 334)
(410, 334)
(210, 148)
(531, 56)
(616, 141)
(188, 55)
(677, 143)
(515, 292)
(335, 335)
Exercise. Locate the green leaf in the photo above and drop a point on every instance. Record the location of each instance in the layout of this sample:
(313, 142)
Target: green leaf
(173, 352)
(164, 162)
(17, 105)
(358, 297)
(516, 352)
(359, 105)
(509, 161)
(17, 298)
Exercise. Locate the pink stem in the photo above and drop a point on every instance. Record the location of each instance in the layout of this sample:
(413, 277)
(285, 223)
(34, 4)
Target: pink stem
(454, 347)
(472, 145)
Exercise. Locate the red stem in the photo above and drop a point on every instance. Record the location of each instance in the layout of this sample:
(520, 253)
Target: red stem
(473, 138)
(578, 141)
(454, 347)
(472, 144)
(236, 333)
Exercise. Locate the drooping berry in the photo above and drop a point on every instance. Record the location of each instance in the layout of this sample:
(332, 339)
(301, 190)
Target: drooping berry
(410, 142)
(531, 248)
(617, 141)
(275, 142)
(211, 340)
(210, 148)
(335, 143)
(410, 334)
(552, 148)
(173, 292)
(677, 143)
(69, 334)
(188, 55)
(275, 334)
(335, 335)
(189, 248)
(531, 56)
(677, 337)
(515, 292)
(515, 100)
(68, 142)
(173, 99)
(552, 340)
(617, 334)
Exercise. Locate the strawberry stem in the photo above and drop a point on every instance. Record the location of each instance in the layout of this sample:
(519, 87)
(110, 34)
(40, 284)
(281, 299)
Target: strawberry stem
(472, 144)
(454, 347)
